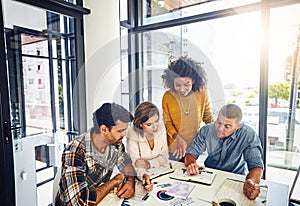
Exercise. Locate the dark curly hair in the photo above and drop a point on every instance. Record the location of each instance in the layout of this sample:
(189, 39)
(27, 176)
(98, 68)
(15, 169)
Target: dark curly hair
(185, 67)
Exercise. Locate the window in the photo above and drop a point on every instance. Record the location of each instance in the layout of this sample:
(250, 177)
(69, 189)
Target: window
(226, 37)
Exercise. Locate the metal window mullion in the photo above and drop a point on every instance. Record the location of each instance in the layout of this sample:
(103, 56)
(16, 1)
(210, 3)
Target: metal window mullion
(20, 80)
(68, 81)
(207, 16)
(78, 78)
(51, 81)
(59, 6)
(264, 73)
(7, 188)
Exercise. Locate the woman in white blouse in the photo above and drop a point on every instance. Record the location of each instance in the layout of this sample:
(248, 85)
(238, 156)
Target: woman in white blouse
(147, 141)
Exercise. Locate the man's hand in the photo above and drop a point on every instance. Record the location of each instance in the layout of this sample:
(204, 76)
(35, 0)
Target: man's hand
(251, 185)
(193, 169)
(181, 147)
(251, 189)
(126, 188)
(118, 179)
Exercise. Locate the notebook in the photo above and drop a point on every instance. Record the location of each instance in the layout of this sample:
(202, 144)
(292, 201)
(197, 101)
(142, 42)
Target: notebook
(204, 176)
(233, 190)
(160, 171)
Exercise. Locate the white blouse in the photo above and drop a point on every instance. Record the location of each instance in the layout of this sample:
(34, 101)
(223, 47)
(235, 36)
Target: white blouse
(138, 147)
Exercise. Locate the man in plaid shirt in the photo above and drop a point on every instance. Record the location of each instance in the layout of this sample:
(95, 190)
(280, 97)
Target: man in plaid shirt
(88, 161)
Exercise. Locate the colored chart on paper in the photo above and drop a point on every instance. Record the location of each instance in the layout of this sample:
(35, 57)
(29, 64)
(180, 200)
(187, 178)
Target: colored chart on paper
(163, 196)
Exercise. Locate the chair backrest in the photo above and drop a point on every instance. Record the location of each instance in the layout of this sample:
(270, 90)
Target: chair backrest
(56, 183)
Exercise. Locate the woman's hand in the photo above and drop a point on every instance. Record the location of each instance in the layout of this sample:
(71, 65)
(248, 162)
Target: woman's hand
(142, 163)
(181, 147)
(148, 185)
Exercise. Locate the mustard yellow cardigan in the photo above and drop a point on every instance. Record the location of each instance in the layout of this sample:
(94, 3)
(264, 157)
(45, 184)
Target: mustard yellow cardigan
(183, 115)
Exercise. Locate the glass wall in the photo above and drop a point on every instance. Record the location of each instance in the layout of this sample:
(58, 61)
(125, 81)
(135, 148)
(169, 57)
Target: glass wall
(154, 11)
(283, 125)
(228, 42)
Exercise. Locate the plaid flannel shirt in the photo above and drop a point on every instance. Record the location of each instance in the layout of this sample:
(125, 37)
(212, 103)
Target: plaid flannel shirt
(84, 169)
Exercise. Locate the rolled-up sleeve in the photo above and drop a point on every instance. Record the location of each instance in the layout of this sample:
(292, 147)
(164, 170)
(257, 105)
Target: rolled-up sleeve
(253, 152)
(198, 145)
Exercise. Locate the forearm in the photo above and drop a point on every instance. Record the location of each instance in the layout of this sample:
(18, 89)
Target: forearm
(170, 129)
(189, 159)
(255, 174)
(104, 189)
(129, 171)
(251, 186)
(169, 124)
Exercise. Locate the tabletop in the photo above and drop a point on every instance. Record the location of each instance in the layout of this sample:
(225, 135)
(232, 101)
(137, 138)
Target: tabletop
(201, 194)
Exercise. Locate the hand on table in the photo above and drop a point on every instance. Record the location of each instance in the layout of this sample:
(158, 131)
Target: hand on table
(193, 169)
(125, 188)
(251, 189)
(148, 185)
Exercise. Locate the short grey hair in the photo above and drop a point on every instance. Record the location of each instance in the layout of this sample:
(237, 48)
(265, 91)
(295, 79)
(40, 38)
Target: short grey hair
(231, 111)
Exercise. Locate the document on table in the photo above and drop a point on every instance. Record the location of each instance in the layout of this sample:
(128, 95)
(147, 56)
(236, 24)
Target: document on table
(163, 198)
(204, 176)
(233, 190)
(110, 199)
(160, 171)
(136, 200)
(180, 189)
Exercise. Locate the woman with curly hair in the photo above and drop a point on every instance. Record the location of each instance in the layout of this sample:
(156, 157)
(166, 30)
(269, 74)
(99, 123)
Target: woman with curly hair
(185, 104)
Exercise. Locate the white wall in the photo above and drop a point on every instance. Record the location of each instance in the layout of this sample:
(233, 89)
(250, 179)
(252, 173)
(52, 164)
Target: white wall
(102, 50)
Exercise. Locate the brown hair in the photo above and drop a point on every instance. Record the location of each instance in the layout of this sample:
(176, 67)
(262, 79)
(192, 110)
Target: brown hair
(142, 113)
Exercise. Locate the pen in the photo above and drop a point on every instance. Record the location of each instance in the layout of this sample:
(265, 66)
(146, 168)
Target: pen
(209, 172)
(152, 182)
(146, 196)
(264, 186)
(124, 181)
(200, 171)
